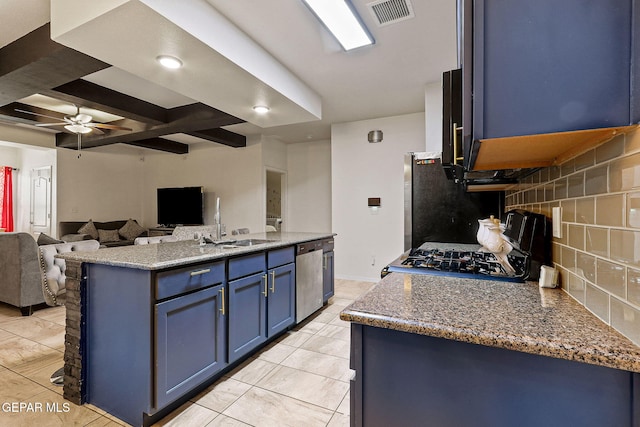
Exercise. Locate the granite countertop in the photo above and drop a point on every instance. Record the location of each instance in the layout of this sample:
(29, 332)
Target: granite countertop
(514, 316)
(172, 254)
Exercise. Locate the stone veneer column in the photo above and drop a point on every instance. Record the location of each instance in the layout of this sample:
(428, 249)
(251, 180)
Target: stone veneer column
(73, 345)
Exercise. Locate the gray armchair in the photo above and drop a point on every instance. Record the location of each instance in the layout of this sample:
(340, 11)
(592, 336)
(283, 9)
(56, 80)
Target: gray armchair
(53, 269)
(20, 275)
(53, 279)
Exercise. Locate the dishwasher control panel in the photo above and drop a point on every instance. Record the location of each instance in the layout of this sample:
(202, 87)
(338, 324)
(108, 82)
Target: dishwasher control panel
(307, 247)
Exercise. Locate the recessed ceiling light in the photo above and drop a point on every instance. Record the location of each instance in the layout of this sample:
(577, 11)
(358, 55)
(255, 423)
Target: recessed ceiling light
(261, 109)
(168, 61)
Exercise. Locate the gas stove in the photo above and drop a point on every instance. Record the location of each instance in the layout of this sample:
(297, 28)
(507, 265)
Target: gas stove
(527, 232)
(459, 263)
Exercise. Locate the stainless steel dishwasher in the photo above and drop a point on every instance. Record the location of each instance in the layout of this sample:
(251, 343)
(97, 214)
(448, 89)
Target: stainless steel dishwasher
(308, 279)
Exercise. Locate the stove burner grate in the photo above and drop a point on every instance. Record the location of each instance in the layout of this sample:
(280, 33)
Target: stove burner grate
(472, 262)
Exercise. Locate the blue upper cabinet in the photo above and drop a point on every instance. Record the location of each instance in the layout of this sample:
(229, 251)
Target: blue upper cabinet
(546, 66)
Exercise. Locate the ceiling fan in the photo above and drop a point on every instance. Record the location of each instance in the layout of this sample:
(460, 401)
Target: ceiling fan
(78, 124)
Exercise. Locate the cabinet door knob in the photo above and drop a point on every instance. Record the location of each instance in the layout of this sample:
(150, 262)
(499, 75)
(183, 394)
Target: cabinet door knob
(265, 278)
(273, 281)
(222, 310)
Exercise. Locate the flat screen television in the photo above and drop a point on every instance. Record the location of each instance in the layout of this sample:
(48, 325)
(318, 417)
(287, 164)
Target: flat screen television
(181, 206)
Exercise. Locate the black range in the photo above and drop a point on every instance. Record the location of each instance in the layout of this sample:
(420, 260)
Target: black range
(526, 231)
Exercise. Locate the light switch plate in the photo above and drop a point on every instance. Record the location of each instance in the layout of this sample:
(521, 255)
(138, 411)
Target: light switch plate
(556, 220)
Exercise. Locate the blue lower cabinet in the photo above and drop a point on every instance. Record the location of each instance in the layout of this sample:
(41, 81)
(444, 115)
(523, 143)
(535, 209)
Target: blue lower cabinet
(261, 304)
(190, 342)
(281, 309)
(247, 314)
(404, 379)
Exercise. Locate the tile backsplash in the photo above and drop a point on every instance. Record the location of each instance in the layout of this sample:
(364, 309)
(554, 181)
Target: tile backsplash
(598, 255)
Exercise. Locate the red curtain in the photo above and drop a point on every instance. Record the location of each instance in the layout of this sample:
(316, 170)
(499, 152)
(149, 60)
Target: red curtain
(6, 199)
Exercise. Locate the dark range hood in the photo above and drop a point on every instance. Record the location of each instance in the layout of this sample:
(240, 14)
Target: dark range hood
(454, 156)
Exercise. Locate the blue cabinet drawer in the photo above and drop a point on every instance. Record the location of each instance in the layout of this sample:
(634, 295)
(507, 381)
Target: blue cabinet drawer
(246, 265)
(278, 257)
(176, 282)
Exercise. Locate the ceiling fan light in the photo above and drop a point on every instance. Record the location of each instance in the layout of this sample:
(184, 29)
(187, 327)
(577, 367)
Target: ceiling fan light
(168, 61)
(83, 118)
(261, 109)
(78, 129)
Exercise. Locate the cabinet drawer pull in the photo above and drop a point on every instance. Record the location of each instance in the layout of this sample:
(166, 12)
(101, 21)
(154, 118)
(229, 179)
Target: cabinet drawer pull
(265, 278)
(273, 282)
(222, 309)
(199, 272)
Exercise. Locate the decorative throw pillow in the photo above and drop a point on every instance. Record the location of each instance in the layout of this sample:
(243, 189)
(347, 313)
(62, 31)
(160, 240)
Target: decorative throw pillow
(45, 239)
(131, 230)
(90, 229)
(105, 236)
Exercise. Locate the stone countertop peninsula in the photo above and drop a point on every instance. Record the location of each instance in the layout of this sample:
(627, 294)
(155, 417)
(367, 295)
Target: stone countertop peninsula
(173, 254)
(514, 316)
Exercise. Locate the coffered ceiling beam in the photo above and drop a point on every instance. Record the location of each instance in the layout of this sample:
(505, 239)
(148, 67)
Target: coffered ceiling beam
(221, 136)
(198, 111)
(35, 63)
(140, 129)
(161, 144)
(184, 119)
(87, 94)
(194, 123)
(9, 110)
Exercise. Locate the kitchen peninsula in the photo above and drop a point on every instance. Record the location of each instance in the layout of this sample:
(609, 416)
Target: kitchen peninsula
(148, 326)
(436, 350)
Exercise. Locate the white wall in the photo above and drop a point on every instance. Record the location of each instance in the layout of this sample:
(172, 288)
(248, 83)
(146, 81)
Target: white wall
(103, 186)
(235, 175)
(309, 186)
(365, 242)
(433, 116)
(274, 154)
(20, 135)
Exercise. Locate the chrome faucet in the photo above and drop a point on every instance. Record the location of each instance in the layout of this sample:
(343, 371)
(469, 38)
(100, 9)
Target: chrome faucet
(216, 221)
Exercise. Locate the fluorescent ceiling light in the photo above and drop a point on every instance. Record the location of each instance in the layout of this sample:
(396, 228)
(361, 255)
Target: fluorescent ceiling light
(342, 21)
(169, 61)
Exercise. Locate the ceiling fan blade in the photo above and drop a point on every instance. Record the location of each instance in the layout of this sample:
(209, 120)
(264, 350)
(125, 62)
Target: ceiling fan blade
(51, 124)
(38, 114)
(96, 130)
(106, 126)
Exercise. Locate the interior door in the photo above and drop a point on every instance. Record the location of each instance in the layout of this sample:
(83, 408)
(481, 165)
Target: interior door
(40, 204)
(276, 197)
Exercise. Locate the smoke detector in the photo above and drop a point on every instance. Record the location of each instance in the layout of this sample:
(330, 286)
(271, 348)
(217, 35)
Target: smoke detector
(388, 12)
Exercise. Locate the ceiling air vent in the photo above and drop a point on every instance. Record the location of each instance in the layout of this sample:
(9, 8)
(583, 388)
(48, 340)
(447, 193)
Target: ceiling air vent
(391, 11)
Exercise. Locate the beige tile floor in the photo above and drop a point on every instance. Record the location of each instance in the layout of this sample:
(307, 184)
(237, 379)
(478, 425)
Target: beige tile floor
(300, 379)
